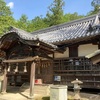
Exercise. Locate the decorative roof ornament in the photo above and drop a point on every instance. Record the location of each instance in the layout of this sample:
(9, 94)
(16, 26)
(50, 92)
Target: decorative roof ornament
(97, 21)
(95, 25)
(90, 29)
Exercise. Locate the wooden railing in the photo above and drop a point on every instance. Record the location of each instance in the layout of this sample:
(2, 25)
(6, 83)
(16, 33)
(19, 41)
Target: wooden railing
(77, 67)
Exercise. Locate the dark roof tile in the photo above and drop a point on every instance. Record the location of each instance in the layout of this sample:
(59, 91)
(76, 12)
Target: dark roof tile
(63, 33)
(68, 31)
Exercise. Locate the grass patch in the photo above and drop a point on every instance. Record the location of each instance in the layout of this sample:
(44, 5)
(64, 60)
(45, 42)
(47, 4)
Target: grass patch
(46, 98)
(42, 98)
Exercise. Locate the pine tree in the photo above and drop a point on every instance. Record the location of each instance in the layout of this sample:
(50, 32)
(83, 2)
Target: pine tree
(55, 13)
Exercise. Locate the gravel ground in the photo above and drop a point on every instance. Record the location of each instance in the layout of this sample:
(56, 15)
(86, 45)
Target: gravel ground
(15, 94)
(89, 96)
(18, 96)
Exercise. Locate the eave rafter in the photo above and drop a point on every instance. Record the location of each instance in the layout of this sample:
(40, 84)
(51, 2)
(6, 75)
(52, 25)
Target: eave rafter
(5, 44)
(28, 59)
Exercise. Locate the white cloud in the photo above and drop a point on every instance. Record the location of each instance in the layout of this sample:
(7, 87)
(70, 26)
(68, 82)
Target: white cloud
(10, 4)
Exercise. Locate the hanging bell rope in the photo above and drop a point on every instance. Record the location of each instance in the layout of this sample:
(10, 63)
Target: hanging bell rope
(16, 69)
(25, 69)
(9, 67)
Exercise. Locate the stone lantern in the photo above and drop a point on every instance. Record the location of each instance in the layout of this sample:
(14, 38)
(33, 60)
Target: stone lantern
(77, 89)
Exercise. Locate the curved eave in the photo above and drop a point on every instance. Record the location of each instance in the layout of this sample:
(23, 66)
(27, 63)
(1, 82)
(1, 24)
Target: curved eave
(25, 38)
(12, 36)
(20, 33)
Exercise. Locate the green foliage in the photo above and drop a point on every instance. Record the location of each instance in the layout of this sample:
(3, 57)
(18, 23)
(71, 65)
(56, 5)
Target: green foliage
(5, 22)
(46, 98)
(96, 7)
(22, 23)
(55, 14)
(36, 24)
(4, 10)
(30, 25)
(69, 17)
(6, 18)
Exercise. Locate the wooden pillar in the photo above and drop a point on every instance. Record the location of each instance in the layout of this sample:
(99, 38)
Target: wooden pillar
(32, 79)
(53, 55)
(4, 87)
(73, 51)
(99, 45)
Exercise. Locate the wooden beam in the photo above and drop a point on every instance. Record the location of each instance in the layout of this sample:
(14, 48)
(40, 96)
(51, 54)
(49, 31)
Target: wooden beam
(32, 79)
(21, 60)
(26, 59)
(49, 50)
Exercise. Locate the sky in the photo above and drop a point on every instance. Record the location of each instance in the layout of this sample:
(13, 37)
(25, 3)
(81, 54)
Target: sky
(33, 8)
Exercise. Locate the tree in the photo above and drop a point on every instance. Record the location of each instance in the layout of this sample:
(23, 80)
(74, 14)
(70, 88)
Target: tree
(36, 24)
(96, 7)
(4, 10)
(69, 17)
(5, 23)
(55, 13)
(6, 18)
(22, 23)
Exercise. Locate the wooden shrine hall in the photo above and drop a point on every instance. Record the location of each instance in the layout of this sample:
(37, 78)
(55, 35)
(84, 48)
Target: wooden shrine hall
(23, 56)
(56, 54)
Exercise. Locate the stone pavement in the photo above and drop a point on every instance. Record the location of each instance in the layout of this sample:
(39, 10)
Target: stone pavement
(16, 94)
(19, 96)
(12, 96)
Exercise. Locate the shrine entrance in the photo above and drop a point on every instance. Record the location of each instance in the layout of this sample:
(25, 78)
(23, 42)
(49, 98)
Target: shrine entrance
(26, 60)
(19, 72)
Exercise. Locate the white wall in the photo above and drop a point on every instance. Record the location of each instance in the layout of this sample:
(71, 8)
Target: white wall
(86, 49)
(83, 50)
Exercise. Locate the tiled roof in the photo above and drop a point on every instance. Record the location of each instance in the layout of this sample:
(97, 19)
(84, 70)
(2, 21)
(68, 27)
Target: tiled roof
(69, 32)
(22, 34)
(77, 30)
(27, 36)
